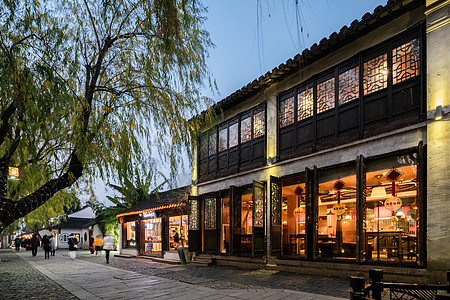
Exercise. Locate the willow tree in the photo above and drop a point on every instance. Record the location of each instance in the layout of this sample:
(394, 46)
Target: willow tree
(88, 87)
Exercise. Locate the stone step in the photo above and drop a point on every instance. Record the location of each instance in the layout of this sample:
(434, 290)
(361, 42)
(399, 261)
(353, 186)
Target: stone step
(161, 260)
(201, 263)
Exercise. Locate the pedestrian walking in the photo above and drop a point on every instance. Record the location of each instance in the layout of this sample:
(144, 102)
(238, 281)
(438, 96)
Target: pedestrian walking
(108, 242)
(17, 243)
(46, 244)
(98, 243)
(34, 244)
(72, 246)
(53, 245)
(91, 244)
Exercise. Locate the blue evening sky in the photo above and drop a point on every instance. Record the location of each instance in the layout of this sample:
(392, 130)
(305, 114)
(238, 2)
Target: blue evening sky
(245, 51)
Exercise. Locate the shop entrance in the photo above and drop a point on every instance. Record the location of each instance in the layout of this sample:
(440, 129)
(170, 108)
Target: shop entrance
(247, 211)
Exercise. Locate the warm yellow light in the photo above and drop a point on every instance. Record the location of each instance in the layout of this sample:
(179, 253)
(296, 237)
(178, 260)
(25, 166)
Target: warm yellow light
(14, 172)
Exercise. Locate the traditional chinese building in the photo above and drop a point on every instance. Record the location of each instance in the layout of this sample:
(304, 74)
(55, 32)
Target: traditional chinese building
(147, 228)
(335, 162)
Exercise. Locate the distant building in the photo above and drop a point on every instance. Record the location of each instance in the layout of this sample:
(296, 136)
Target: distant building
(78, 223)
(336, 162)
(147, 227)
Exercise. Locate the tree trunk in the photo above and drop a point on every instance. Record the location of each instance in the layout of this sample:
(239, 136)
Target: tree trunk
(3, 178)
(11, 211)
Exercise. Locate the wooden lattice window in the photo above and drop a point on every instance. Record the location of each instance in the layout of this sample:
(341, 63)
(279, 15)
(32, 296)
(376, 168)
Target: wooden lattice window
(259, 125)
(204, 146)
(287, 112)
(349, 85)
(223, 139)
(325, 95)
(212, 143)
(375, 74)
(233, 135)
(246, 129)
(258, 218)
(210, 213)
(406, 61)
(194, 222)
(305, 104)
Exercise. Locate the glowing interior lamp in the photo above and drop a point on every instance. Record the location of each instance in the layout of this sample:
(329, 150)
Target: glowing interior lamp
(14, 172)
(378, 191)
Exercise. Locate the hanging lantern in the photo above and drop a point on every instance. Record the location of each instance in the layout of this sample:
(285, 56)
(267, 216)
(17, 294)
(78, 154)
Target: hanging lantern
(298, 210)
(339, 208)
(393, 203)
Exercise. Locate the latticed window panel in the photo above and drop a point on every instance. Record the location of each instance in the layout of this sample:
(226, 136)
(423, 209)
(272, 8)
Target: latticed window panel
(325, 95)
(223, 139)
(258, 217)
(305, 104)
(212, 143)
(246, 130)
(276, 204)
(233, 135)
(204, 146)
(210, 213)
(259, 124)
(375, 74)
(349, 85)
(287, 112)
(194, 222)
(406, 61)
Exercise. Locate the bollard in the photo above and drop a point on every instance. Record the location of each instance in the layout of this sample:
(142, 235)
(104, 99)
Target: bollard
(357, 285)
(376, 283)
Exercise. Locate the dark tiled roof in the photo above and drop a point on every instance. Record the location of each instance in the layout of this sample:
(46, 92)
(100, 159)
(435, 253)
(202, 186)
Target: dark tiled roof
(74, 223)
(163, 198)
(369, 22)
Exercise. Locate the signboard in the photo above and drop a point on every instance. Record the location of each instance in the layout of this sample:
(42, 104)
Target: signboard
(149, 215)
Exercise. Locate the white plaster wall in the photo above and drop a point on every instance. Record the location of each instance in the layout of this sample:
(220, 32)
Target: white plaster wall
(62, 240)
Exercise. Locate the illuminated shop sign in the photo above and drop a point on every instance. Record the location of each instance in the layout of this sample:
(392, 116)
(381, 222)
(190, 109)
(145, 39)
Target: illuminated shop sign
(148, 215)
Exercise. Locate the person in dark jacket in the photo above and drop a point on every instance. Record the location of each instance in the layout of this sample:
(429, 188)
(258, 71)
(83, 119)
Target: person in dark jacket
(46, 244)
(72, 246)
(34, 244)
(17, 243)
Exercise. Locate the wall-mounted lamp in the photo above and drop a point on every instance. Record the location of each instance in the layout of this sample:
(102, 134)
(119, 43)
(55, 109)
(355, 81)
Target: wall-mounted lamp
(439, 113)
(271, 160)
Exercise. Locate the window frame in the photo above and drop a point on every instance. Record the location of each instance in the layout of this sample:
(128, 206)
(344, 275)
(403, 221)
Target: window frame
(380, 111)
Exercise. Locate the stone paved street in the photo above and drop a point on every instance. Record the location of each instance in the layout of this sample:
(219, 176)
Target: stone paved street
(221, 277)
(88, 280)
(19, 280)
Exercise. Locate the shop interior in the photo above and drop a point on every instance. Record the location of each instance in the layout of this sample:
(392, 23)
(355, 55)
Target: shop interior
(392, 210)
(391, 222)
(225, 223)
(179, 224)
(152, 232)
